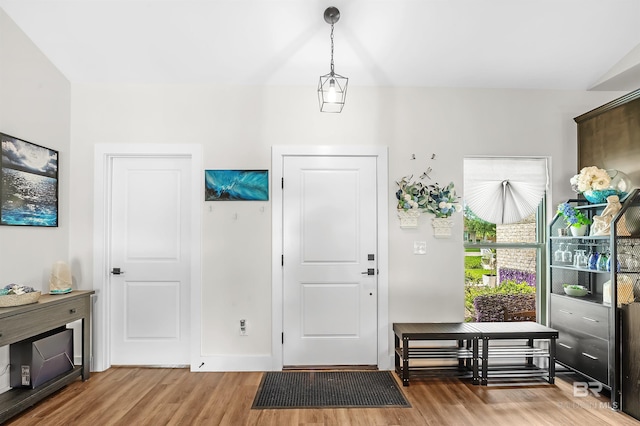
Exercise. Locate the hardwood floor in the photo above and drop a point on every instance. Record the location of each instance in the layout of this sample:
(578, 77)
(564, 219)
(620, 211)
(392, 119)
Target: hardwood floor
(146, 396)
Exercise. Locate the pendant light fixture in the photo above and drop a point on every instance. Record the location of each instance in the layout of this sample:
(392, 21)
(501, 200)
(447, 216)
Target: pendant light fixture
(332, 89)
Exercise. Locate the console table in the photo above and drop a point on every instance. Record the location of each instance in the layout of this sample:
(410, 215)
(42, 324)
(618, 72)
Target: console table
(469, 356)
(50, 312)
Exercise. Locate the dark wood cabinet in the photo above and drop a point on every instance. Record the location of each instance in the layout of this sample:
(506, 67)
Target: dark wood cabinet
(609, 136)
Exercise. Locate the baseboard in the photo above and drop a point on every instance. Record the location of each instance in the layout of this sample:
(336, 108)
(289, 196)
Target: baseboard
(232, 363)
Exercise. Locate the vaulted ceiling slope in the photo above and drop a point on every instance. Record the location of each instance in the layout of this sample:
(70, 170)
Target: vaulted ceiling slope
(530, 44)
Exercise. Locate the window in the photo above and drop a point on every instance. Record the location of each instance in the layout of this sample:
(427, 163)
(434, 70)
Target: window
(504, 219)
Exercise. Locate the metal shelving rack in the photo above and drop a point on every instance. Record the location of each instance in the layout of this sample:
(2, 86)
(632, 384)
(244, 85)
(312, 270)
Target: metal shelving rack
(624, 255)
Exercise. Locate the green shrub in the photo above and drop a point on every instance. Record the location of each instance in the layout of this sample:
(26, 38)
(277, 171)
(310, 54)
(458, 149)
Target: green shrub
(505, 287)
(472, 262)
(474, 276)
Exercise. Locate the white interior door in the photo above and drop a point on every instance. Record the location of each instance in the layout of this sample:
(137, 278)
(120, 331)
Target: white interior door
(149, 241)
(329, 248)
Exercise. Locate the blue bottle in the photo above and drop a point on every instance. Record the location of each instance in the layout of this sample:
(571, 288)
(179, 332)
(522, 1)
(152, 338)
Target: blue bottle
(609, 265)
(603, 260)
(593, 260)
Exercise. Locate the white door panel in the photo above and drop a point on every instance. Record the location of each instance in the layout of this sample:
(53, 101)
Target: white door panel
(149, 242)
(329, 227)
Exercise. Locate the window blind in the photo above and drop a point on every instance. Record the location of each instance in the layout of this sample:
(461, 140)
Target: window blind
(504, 190)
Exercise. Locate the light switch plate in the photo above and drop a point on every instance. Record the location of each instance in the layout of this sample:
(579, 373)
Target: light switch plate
(419, 247)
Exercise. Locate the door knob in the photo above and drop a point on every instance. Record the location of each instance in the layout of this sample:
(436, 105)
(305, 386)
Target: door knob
(369, 271)
(117, 271)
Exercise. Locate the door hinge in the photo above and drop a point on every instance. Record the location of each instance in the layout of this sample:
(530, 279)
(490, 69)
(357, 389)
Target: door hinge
(282, 183)
(283, 338)
(282, 260)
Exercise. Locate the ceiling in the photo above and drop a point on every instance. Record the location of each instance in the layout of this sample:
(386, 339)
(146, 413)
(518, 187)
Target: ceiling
(530, 44)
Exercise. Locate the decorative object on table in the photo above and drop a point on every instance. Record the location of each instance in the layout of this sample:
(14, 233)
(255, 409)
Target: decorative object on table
(576, 220)
(597, 184)
(602, 223)
(575, 290)
(29, 193)
(236, 185)
(60, 280)
(16, 295)
(332, 88)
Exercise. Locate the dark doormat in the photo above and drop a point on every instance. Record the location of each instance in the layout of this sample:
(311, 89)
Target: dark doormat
(313, 389)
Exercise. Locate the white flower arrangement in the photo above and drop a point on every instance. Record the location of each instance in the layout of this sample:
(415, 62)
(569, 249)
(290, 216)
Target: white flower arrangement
(590, 178)
(440, 201)
(411, 195)
(443, 202)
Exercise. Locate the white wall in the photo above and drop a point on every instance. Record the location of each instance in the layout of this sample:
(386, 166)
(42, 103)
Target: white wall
(34, 106)
(237, 126)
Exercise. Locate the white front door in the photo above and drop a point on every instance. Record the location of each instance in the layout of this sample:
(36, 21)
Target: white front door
(329, 261)
(149, 241)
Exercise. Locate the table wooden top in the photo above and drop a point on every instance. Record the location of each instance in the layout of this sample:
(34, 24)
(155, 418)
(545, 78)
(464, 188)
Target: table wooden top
(465, 330)
(435, 330)
(45, 299)
(514, 329)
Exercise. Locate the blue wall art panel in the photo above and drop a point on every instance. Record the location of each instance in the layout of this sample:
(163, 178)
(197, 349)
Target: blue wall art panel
(236, 185)
(28, 183)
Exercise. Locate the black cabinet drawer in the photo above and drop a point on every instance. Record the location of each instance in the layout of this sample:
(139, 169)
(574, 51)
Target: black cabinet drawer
(593, 359)
(567, 349)
(588, 318)
(584, 353)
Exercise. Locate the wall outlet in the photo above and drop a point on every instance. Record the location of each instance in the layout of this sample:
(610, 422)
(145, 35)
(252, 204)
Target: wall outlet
(243, 327)
(419, 247)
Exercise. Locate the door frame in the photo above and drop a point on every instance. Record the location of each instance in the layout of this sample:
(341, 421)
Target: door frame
(103, 161)
(278, 154)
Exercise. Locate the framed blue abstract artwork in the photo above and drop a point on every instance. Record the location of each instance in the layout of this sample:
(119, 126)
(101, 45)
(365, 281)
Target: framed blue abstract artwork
(236, 185)
(28, 183)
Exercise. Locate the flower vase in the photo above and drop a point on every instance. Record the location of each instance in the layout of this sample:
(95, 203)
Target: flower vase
(578, 231)
(442, 227)
(620, 185)
(408, 218)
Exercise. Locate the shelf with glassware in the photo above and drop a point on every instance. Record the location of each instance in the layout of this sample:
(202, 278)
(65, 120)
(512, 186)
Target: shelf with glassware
(586, 273)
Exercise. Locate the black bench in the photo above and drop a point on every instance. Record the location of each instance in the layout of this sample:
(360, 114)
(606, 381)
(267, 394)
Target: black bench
(469, 353)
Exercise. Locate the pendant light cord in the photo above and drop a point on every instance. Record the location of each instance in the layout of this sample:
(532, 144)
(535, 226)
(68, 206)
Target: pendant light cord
(332, 50)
